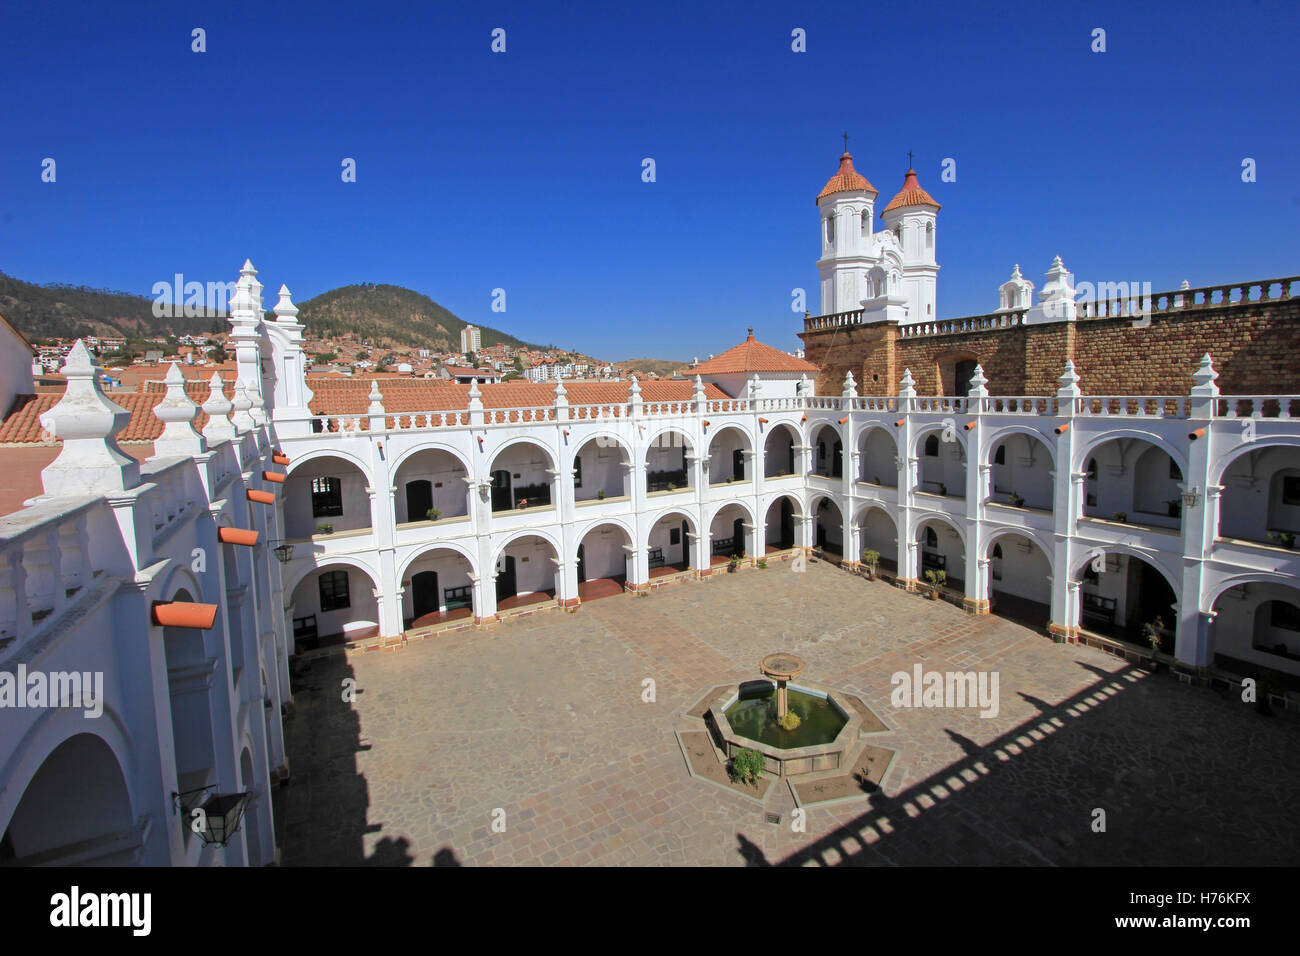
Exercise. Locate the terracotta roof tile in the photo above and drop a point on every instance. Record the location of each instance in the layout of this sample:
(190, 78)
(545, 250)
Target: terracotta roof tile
(910, 195)
(846, 179)
(752, 356)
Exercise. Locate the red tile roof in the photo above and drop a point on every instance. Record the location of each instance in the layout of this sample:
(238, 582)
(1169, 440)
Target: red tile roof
(350, 396)
(910, 195)
(752, 356)
(846, 179)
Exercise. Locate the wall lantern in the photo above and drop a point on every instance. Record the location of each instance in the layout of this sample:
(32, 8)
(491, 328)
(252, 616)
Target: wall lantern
(1191, 496)
(217, 819)
(283, 553)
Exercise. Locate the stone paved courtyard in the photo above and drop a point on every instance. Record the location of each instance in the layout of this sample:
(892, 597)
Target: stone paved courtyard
(543, 718)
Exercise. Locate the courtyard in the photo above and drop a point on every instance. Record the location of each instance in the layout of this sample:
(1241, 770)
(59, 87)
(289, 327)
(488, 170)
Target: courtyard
(541, 724)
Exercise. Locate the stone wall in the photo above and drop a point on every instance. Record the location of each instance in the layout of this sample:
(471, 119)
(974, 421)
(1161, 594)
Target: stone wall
(1253, 345)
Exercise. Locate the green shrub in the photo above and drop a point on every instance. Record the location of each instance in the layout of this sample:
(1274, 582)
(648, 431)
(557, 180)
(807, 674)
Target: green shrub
(870, 558)
(936, 578)
(747, 766)
(790, 721)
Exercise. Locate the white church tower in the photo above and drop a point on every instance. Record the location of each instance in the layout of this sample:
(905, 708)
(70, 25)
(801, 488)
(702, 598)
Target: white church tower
(911, 217)
(846, 205)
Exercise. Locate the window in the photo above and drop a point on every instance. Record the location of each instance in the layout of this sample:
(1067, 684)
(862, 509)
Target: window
(1092, 469)
(1285, 616)
(1000, 456)
(674, 535)
(932, 447)
(931, 538)
(866, 223)
(830, 228)
(929, 235)
(1174, 471)
(577, 472)
(1291, 489)
(334, 591)
(326, 497)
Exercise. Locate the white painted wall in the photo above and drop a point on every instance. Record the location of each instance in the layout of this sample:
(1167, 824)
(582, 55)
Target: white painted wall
(15, 367)
(603, 469)
(722, 445)
(1252, 503)
(876, 459)
(452, 570)
(1023, 573)
(298, 519)
(363, 612)
(1243, 627)
(1026, 470)
(447, 478)
(603, 552)
(534, 569)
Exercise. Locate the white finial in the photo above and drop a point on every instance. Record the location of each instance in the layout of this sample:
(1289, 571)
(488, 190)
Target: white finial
(850, 386)
(1015, 273)
(376, 399)
(241, 419)
(177, 411)
(1204, 376)
(978, 382)
(285, 310)
(218, 408)
(1185, 285)
(90, 461)
(1069, 381)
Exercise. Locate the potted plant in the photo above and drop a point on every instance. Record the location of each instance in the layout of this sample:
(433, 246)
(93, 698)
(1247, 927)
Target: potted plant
(671, 486)
(324, 529)
(1121, 517)
(433, 514)
(943, 489)
(600, 495)
(1015, 500)
(1151, 631)
(870, 559)
(733, 563)
(1285, 538)
(762, 563)
(877, 480)
(937, 579)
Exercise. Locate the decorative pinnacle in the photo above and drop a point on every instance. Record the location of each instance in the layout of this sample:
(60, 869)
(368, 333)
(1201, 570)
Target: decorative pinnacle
(285, 310)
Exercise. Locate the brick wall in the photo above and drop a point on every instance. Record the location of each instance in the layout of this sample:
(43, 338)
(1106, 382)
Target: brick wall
(1254, 347)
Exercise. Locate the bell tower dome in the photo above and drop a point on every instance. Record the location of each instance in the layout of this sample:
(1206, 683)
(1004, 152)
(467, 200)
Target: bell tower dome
(845, 207)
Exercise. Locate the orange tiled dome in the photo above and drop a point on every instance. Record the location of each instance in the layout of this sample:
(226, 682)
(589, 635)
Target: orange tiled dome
(910, 195)
(846, 179)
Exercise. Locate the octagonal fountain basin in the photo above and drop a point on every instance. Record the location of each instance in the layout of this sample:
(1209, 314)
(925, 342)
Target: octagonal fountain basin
(746, 719)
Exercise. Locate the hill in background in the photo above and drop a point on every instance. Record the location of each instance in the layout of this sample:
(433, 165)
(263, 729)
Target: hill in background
(661, 367)
(393, 315)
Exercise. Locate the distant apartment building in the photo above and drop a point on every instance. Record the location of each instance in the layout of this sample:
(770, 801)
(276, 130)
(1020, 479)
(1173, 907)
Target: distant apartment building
(471, 339)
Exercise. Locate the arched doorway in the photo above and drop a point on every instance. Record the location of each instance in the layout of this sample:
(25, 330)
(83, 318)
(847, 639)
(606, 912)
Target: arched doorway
(603, 556)
(76, 810)
(437, 588)
(1120, 594)
(525, 572)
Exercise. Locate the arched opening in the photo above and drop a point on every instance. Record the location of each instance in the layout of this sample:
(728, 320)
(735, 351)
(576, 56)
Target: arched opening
(877, 532)
(943, 465)
(668, 544)
(189, 678)
(727, 456)
(1120, 595)
(779, 530)
(1019, 581)
(1257, 625)
(941, 549)
(603, 556)
(877, 458)
(522, 475)
(829, 529)
(1022, 472)
(828, 452)
(729, 534)
(602, 469)
(1261, 497)
(778, 452)
(1133, 481)
(666, 467)
(436, 588)
(76, 810)
(431, 486)
(325, 495)
(525, 572)
(333, 604)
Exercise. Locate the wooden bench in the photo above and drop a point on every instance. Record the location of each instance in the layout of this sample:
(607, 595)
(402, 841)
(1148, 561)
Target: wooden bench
(657, 557)
(459, 597)
(1098, 608)
(304, 628)
(724, 546)
(933, 562)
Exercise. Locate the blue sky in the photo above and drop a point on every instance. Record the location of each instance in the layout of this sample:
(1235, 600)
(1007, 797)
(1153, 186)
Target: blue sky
(522, 170)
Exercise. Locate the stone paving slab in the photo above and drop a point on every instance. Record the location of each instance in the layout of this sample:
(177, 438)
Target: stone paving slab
(539, 723)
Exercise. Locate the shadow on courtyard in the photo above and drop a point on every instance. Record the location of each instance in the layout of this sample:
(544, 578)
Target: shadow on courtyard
(1191, 796)
(322, 814)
